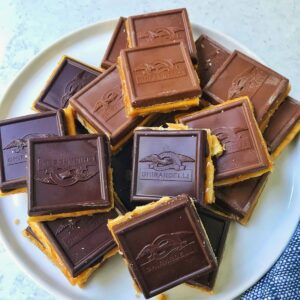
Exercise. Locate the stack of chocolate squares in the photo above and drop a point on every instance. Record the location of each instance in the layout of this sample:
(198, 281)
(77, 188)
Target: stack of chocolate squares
(181, 133)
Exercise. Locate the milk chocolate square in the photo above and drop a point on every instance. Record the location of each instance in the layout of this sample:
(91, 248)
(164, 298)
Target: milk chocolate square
(68, 78)
(245, 153)
(211, 55)
(167, 163)
(282, 124)
(164, 244)
(216, 228)
(240, 76)
(14, 134)
(158, 75)
(240, 199)
(68, 175)
(161, 27)
(117, 42)
(101, 105)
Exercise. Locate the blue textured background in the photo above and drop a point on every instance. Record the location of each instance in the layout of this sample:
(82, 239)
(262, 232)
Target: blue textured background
(269, 28)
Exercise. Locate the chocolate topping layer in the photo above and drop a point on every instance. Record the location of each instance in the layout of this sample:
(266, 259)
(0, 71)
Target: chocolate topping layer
(68, 174)
(14, 135)
(162, 27)
(167, 163)
(68, 78)
(117, 42)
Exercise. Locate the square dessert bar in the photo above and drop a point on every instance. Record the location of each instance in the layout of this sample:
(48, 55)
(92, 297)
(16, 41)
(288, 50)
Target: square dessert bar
(240, 76)
(239, 200)
(216, 228)
(168, 162)
(69, 177)
(158, 79)
(67, 78)
(100, 108)
(164, 244)
(14, 135)
(245, 152)
(77, 246)
(211, 55)
(161, 27)
(117, 42)
(283, 126)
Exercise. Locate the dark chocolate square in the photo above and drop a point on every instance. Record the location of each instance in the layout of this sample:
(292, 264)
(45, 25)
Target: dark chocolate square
(216, 228)
(167, 163)
(165, 246)
(101, 104)
(80, 242)
(211, 55)
(162, 27)
(159, 74)
(68, 78)
(14, 134)
(68, 174)
(234, 125)
(117, 42)
(240, 76)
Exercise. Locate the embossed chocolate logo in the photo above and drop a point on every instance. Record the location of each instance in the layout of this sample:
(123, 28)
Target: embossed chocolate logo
(110, 103)
(166, 250)
(169, 33)
(159, 70)
(66, 171)
(234, 139)
(167, 166)
(18, 147)
(76, 84)
(247, 82)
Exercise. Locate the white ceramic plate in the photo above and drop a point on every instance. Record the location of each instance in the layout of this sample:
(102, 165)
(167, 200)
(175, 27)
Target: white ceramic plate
(250, 251)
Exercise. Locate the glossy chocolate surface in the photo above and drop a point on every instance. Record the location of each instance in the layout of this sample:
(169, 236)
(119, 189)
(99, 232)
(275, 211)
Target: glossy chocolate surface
(159, 74)
(167, 163)
(240, 76)
(234, 125)
(14, 135)
(211, 55)
(216, 228)
(117, 42)
(101, 104)
(80, 242)
(162, 27)
(282, 122)
(165, 246)
(68, 78)
(68, 174)
(240, 197)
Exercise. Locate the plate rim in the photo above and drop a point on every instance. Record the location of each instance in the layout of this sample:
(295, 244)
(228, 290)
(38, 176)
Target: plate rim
(23, 265)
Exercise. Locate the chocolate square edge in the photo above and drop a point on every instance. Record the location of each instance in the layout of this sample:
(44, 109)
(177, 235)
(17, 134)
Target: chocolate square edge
(106, 63)
(200, 189)
(191, 213)
(42, 106)
(9, 185)
(187, 26)
(103, 155)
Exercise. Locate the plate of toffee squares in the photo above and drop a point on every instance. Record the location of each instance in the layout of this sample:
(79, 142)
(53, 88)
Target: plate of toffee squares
(141, 156)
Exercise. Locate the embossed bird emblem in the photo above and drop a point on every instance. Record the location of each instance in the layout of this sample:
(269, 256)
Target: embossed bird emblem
(158, 66)
(167, 160)
(67, 177)
(167, 33)
(108, 98)
(247, 82)
(20, 144)
(70, 224)
(76, 84)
